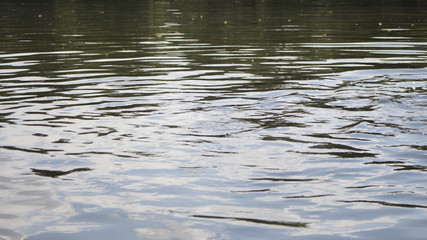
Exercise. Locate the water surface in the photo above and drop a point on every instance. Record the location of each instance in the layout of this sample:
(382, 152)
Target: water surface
(213, 119)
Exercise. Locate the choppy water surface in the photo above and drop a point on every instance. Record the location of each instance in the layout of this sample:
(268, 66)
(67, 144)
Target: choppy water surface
(213, 119)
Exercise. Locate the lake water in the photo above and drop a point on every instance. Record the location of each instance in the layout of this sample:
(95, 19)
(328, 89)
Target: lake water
(206, 119)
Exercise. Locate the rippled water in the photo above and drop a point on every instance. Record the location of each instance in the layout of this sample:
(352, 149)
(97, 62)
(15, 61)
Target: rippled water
(213, 119)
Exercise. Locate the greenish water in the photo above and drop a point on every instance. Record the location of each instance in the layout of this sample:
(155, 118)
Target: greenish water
(213, 119)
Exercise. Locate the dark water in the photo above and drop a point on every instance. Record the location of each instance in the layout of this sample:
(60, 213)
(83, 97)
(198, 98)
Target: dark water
(213, 119)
